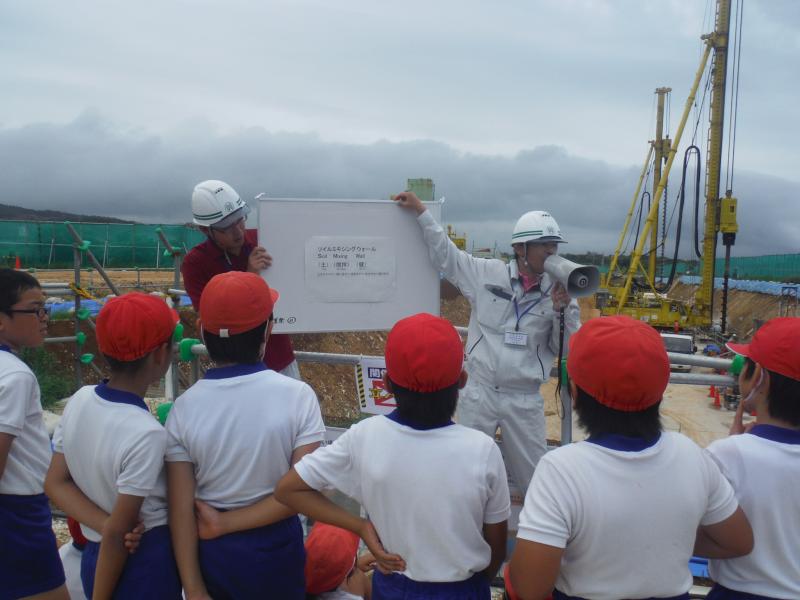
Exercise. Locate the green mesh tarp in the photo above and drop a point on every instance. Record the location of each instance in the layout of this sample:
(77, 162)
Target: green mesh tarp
(774, 267)
(48, 245)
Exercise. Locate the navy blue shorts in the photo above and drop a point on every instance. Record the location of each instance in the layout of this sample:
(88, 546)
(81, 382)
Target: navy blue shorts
(150, 572)
(559, 596)
(720, 592)
(266, 562)
(400, 587)
(29, 560)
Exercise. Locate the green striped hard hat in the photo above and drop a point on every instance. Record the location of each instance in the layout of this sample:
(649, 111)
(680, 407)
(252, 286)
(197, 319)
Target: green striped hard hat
(536, 226)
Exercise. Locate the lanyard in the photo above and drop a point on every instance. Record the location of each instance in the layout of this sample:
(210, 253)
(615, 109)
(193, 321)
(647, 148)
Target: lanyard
(544, 294)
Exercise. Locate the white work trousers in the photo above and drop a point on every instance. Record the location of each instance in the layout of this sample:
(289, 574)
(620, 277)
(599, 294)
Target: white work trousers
(520, 416)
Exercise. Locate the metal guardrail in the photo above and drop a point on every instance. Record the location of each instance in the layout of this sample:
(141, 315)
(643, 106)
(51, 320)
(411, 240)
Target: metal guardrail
(696, 360)
(566, 401)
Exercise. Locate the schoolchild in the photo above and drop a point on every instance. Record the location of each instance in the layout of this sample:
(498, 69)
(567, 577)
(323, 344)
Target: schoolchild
(29, 561)
(334, 570)
(232, 436)
(436, 492)
(617, 515)
(762, 462)
(108, 467)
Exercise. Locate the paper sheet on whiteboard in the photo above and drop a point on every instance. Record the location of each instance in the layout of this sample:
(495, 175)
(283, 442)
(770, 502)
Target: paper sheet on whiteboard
(350, 268)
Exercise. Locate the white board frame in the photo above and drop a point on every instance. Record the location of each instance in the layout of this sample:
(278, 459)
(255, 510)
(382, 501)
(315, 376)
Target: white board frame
(286, 224)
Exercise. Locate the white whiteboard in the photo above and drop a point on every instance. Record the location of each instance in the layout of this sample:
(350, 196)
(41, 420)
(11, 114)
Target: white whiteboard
(346, 265)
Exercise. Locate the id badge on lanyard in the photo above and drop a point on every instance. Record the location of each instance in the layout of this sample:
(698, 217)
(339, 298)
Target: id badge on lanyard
(516, 337)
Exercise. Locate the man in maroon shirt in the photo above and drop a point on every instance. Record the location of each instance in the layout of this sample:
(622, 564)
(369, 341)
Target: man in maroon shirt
(220, 214)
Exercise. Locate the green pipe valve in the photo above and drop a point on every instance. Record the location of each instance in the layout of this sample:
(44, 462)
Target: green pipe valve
(737, 364)
(162, 412)
(185, 348)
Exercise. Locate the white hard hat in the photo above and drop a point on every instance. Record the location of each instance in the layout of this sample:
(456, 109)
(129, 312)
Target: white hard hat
(536, 226)
(215, 203)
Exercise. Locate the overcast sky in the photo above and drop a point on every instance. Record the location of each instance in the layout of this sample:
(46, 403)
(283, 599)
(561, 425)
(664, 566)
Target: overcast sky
(119, 108)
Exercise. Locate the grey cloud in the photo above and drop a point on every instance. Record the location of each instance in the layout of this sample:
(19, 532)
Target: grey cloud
(93, 166)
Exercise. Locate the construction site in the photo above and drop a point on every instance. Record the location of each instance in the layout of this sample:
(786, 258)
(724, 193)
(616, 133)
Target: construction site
(683, 277)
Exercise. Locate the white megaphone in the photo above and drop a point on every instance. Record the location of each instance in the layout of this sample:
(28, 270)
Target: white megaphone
(578, 280)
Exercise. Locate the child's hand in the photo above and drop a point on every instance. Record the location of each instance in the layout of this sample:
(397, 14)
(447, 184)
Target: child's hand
(133, 537)
(385, 562)
(366, 562)
(209, 525)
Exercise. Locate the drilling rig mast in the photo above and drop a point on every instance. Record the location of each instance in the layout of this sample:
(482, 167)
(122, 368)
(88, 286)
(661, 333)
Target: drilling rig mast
(639, 297)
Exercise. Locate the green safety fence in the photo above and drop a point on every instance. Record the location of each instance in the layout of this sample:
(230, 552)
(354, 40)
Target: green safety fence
(773, 267)
(48, 244)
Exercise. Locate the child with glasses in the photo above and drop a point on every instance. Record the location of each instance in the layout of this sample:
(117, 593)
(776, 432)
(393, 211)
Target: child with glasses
(29, 561)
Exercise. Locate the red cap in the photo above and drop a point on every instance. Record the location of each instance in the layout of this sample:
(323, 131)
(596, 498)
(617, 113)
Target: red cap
(235, 302)
(620, 362)
(330, 555)
(75, 531)
(131, 326)
(424, 353)
(775, 346)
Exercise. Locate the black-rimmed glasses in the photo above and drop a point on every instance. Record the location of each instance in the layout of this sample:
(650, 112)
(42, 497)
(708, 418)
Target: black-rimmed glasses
(41, 312)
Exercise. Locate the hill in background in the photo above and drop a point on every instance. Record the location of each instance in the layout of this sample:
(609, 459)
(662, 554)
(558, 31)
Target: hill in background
(9, 212)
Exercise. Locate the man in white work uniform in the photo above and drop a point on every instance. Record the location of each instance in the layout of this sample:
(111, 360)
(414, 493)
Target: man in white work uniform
(513, 334)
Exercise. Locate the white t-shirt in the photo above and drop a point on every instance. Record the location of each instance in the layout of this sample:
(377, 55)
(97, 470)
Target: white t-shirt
(626, 519)
(21, 417)
(113, 446)
(339, 594)
(239, 427)
(764, 468)
(428, 492)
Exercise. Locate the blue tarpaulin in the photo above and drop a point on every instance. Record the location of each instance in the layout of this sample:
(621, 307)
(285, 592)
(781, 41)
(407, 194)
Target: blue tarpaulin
(94, 306)
(746, 285)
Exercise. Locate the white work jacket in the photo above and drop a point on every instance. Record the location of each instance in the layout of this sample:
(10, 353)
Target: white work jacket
(492, 286)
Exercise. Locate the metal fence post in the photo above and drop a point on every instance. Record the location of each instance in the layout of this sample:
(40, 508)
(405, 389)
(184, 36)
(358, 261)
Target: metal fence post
(92, 259)
(171, 381)
(177, 257)
(76, 253)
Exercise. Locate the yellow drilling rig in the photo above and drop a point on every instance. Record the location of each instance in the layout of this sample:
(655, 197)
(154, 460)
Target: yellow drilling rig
(637, 292)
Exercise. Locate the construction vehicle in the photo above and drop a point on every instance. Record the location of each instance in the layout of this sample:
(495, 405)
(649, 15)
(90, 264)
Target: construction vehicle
(459, 240)
(637, 292)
